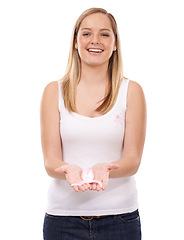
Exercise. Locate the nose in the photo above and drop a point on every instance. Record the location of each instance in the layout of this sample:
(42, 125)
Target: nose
(95, 39)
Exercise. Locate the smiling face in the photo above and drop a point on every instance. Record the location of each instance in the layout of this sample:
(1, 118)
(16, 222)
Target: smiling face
(95, 40)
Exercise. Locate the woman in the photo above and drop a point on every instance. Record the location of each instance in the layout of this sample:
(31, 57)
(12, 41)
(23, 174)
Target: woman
(93, 130)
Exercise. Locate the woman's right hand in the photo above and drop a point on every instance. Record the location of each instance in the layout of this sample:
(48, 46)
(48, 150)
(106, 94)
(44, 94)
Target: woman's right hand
(73, 175)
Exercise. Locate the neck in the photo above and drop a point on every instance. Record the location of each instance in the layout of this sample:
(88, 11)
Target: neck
(93, 75)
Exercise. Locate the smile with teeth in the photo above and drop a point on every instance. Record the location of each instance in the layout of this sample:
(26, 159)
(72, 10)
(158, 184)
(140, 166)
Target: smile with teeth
(93, 50)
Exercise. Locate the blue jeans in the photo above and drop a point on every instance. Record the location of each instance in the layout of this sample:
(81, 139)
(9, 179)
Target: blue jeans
(116, 227)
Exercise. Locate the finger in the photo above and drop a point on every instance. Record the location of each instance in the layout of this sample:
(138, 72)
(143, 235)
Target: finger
(112, 166)
(81, 187)
(85, 186)
(105, 181)
(90, 186)
(94, 186)
(75, 187)
(60, 170)
(98, 187)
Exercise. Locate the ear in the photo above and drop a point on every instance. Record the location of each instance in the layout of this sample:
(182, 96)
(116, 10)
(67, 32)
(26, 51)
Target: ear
(115, 47)
(76, 45)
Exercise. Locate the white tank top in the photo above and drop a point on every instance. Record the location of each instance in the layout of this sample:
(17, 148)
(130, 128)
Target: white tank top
(86, 142)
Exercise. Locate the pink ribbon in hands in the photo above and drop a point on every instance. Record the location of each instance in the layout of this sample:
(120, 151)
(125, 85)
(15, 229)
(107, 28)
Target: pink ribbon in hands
(87, 177)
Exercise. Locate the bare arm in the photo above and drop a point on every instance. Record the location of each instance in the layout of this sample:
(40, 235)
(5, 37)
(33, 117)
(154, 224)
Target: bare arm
(135, 131)
(50, 135)
(51, 140)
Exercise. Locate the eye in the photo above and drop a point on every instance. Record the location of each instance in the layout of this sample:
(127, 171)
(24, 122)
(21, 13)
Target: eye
(86, 34)
(105, 35)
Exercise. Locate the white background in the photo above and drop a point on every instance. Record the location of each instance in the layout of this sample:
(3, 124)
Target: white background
(34, 47)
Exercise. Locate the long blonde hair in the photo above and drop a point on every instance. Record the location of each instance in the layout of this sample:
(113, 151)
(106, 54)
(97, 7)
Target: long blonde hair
(73, 71)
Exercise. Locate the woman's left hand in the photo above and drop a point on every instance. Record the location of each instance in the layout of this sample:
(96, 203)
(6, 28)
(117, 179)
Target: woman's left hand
(101, 173)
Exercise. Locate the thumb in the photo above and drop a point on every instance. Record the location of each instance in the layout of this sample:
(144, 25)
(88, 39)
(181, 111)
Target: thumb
(61, 169)
(112, 166)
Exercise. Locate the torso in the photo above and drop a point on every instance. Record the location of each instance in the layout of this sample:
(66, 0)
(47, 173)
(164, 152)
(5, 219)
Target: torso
(86, 142)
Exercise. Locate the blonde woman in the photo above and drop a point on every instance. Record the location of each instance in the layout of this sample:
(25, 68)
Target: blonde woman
(93, 124)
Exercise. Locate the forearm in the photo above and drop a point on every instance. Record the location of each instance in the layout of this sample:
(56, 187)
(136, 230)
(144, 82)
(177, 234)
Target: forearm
(128, 166)
(51, 165)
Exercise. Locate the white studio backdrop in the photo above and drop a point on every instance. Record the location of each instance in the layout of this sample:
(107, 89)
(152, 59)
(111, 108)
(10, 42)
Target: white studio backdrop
(34, 45)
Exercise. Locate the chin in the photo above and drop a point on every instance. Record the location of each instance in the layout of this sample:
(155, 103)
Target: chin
(96, 63)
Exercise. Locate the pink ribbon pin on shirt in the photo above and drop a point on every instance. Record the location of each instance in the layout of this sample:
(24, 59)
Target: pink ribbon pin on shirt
(87, 177)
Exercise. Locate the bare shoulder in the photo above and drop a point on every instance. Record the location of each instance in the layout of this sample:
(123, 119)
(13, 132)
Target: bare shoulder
(50, 96)
(135, 93)
(134, 88)
(51, 88)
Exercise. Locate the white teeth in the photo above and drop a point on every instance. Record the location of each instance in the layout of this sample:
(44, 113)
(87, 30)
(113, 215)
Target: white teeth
(95, 50)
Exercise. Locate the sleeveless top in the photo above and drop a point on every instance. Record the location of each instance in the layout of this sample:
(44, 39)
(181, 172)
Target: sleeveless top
(85, 142)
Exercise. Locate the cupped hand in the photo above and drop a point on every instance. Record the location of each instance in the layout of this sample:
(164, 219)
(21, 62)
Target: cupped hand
(101, 173)
(73, 175)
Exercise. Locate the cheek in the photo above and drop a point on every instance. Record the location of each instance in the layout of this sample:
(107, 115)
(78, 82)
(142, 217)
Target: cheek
(81, 42)
(113, 44)
(110, 44)
(81, 48)
(110, 48)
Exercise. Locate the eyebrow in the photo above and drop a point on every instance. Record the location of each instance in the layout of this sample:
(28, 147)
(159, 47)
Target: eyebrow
(103, 29)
